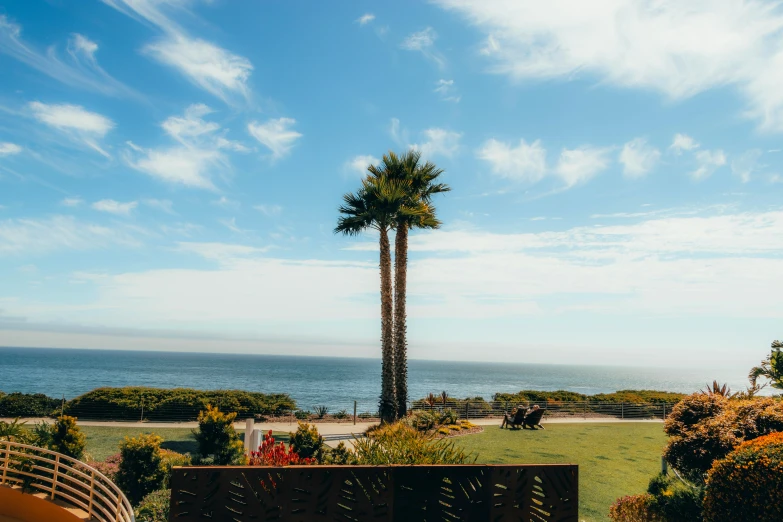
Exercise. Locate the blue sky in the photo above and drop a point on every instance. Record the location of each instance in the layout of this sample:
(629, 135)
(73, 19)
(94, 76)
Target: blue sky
(170, 172)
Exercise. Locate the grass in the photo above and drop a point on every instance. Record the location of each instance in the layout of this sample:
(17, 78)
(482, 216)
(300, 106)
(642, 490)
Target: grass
(614, 459)
(103, 441)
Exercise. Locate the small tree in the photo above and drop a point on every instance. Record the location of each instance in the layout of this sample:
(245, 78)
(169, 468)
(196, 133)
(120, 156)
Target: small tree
(771, 368)
(307, 442)
(141, 470)
(67, 438)
(217, 439)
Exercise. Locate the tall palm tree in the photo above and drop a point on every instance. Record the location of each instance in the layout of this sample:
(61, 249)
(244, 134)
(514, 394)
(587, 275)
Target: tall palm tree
(377, 206)
(770, 368)
(420, 181)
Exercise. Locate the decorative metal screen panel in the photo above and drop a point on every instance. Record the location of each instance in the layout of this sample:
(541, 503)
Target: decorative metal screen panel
(475, 493)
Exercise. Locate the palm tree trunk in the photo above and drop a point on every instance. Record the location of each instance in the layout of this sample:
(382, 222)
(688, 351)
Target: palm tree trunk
(400, 327)
(388, 405)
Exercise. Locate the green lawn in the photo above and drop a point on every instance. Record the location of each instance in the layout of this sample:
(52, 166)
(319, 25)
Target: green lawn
(614, 459)
(103, 441)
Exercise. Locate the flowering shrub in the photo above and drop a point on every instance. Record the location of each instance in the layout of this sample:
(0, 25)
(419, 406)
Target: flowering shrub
(633, 508)
(746, 485)
(271, 454)
(170, 459)
(108, 467)
(704, 428)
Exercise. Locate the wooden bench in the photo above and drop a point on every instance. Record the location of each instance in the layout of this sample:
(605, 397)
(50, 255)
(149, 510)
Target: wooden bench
(458, 493)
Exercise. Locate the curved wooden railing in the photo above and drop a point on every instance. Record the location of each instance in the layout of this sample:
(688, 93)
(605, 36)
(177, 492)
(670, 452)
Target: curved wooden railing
(64, 478)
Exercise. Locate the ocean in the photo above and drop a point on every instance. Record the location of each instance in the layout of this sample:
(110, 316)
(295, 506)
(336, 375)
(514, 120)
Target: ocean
(330, 381)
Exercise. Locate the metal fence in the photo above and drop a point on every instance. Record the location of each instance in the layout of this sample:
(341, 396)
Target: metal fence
(458, 493)
(63, 478)
(560, 409)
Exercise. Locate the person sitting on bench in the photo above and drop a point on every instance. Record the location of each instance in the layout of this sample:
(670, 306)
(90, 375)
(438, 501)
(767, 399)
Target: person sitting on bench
(533, 417)
(515, 419)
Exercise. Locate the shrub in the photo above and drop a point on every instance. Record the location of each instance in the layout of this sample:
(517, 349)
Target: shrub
(628, 396)
(633, 508)
(342, 414)
(340, 455)
(67, 438)
(154, 507)
(448, 417)
(173, 404)
(307, 442)
(170, 459)
(321, 411)
(704, 428)
(302, 414)
(217, 438)
(141, 469)
(399, 443)
(271, 454)
(14, 431)
(108, 467)
(422, 420)
(28, 405)
(367, 415)
(746, 485)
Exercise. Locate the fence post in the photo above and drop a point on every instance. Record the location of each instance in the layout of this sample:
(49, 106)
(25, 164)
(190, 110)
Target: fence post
(622, 410)
(142, 410)
(354, 413)
(585, 415)
(92, 492)
(5, 461)
(56, 472)
(467, 410)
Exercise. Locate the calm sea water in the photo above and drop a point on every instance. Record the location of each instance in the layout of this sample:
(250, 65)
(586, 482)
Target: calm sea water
(331, 381)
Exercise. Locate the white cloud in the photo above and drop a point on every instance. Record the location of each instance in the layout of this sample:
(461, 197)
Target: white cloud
(39, 236)
(269, 210)
(82, 69)
(71, 202)
(209, 66)
(231, 224)
(365, 19)
(521, 163)
(424, 42)
(276, 135)
(708, 162)
(676, 48)
(9, 149)
(683, 142)
(223, 201)
(438, 142)
(579, 165)
(165, 205)
(199, 154)
(75, 121)
(638, 158)
(746, 164)
(115, 207)
(359, 164)
(447, 91)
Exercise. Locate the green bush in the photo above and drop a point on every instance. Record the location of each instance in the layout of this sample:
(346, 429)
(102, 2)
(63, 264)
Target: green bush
(154, 507)
(307, 442)
(401, 444)
(422, 420)
(633, 508)
(217, 438)
(15, 431)
(141, 470)
(627, 396)
(28, 405)
(173, 404)
(320, 411)
(448, 417)
(302, 414)
(672, 501)
(340, 455)
(367, 415)
(67, 438)
(747, 484)
(170, 459)
(342, 414)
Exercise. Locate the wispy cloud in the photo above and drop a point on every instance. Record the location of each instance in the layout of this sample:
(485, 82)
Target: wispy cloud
(39, 236)
(525, 162)
(358, 164)
(115, 207)
(447, 91)
(199, 154)
(164, 205)
(365, 19)
(72, 202)
(424, 42)
(207, 65)
(745, 165)
(81, 70)
(683, 142)
(225, 202)
(269, 210)
(276, 134)
(638, 158)
(75, 121)
(576, 166)
(708, 162)
(9, 149)
(671, 47)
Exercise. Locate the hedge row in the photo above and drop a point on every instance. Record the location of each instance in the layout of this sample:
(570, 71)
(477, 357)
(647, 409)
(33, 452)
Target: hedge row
(625, 396)
(133, 403)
